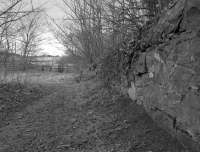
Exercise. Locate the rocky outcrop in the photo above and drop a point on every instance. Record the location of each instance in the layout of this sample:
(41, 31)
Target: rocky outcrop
(170, 91)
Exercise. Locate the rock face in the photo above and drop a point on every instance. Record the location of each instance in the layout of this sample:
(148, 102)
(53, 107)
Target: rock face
(170, 92)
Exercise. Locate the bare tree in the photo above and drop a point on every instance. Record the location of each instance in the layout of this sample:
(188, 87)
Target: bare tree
(12, 12)
(30, 36)
(9, 15)
(87, 36)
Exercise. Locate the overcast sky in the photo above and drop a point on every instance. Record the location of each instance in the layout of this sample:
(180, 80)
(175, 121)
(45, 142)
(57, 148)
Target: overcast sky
(50, 45)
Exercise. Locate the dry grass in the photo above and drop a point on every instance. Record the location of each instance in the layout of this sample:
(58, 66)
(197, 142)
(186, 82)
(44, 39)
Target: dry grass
(35, 77)
(20, 89)
(81, 117)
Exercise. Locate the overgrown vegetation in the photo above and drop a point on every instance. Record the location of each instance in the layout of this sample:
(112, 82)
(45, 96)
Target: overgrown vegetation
(109, 35)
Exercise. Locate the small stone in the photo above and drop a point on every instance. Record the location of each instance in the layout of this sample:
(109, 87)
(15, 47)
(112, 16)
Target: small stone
(192, 58)
(194, 87)
(90, 112)
(132, 92)
(176, 102)
(151, 75)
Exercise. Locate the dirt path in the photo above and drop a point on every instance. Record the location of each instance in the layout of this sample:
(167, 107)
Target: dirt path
(84, 118)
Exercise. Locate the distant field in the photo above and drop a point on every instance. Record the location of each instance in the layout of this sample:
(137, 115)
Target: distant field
(35, 77)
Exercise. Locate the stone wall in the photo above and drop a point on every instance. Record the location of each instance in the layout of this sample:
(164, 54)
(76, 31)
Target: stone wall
(170, 91)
